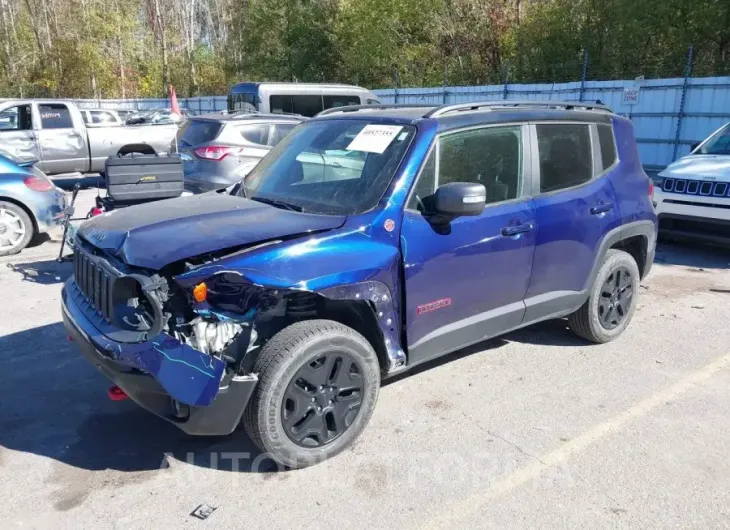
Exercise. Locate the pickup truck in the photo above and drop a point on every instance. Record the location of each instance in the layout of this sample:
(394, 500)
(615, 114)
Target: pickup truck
(54, 133)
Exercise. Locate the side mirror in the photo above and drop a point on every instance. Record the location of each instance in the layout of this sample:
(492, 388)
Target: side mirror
(457, 199)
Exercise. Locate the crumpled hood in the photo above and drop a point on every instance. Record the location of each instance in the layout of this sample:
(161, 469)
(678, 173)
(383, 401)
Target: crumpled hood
(156, 234)
(700, 166)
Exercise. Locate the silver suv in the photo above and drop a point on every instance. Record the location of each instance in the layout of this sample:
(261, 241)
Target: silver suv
(218, 150)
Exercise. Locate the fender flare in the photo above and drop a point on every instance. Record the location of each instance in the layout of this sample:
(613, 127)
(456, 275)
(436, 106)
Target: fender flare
(645, 228)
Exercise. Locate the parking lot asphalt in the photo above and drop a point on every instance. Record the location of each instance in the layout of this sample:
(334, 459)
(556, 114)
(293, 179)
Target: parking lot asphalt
(533, 429)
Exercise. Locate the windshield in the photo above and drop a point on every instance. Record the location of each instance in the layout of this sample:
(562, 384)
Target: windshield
(330, 166)
(718, 144)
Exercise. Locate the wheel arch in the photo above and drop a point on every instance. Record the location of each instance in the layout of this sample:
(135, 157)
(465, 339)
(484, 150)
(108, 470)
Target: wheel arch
(637, 238)
(144, 149)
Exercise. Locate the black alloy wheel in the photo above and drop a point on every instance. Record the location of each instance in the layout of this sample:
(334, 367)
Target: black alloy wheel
(616, 298)
(323, 399)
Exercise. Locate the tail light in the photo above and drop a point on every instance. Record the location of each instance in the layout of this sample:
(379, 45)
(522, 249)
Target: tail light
(216, 152)
(651, 189)
(38, 183)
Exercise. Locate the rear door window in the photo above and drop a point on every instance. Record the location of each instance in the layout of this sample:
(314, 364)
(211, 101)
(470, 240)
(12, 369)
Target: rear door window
(55, 116)
(566, 158)
(199, 131)
(608, 146)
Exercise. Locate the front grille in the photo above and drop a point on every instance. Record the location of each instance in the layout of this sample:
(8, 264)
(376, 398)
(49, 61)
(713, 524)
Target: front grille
(705, 188)
(94, 283)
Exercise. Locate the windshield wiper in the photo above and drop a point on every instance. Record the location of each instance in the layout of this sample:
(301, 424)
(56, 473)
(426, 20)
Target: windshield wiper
(278, 204)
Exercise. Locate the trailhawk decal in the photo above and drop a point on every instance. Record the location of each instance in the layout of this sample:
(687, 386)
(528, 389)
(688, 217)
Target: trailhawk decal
(433, 306)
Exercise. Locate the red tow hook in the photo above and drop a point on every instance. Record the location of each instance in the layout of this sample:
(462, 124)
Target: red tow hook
(117, 394)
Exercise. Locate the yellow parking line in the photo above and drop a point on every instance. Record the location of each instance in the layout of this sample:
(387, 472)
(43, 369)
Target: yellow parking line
(468, 506)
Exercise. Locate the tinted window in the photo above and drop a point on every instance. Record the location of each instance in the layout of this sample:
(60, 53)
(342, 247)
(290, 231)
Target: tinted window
(55, 116)
(245, 101)
(340, 101)
(719, 144)
(492, 157)
(422, 196)
(16, 119)
(565, 155)
(331, 166)
(256, 133)
(305, 105)
(280, 131)
(197, 132)
(608, 146)
(101, 117)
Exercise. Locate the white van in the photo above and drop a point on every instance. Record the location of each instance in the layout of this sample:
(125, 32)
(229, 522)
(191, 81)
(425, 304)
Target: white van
(296, 98)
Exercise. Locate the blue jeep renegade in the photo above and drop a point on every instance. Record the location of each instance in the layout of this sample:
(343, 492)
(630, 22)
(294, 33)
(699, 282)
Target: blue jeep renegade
(371, 239)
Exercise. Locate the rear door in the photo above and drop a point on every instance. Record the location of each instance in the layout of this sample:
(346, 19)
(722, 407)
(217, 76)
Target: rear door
(17, 136)
(62, 142)
(575, 208)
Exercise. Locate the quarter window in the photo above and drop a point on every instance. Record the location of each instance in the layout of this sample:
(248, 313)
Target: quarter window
(280, 131)
(608, 146)
(256, 134)
(565, 155)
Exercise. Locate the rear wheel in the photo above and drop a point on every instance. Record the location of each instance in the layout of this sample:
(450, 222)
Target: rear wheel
(611, 304)
(318, 385)
(16, 229)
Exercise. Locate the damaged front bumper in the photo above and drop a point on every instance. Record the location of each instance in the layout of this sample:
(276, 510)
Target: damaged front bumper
(164, 376)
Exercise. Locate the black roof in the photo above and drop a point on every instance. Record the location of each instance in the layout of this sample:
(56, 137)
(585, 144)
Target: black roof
(467, 114)
(244, 116)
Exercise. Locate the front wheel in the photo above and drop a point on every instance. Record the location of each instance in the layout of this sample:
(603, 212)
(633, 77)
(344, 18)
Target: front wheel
(611, 304)
(318, 385)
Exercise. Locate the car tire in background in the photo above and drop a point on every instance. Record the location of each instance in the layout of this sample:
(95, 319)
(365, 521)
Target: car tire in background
(612, 301)
(16, 229)
(318, 385)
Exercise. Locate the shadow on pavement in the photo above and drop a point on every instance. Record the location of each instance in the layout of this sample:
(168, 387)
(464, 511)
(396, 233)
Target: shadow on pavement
(55, 405)
(44, 272)
(692, 255)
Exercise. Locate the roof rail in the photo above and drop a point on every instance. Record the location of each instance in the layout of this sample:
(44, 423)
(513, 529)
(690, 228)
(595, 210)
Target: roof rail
(488, 105)
(382, 106)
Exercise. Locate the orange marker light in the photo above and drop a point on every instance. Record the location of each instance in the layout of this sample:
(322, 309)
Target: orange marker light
(200, 292)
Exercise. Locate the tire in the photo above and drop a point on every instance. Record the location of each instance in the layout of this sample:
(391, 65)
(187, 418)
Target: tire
(594, 321)
(289, 368)
(12, 219)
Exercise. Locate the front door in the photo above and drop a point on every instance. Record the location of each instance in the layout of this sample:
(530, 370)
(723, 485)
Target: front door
(576, 207)
(17, 137)
(62, 143)
(466, 280)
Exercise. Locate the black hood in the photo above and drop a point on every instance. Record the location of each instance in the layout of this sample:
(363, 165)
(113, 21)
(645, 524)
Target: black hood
(159, 233)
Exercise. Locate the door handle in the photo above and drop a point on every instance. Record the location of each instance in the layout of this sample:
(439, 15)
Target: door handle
(509, 231)
(601, 208)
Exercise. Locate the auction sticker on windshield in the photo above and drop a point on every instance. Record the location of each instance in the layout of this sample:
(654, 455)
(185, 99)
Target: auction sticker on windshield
(374, 138)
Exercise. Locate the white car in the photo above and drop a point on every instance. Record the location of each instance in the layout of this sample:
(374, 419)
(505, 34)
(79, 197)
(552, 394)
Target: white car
(692, 195)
